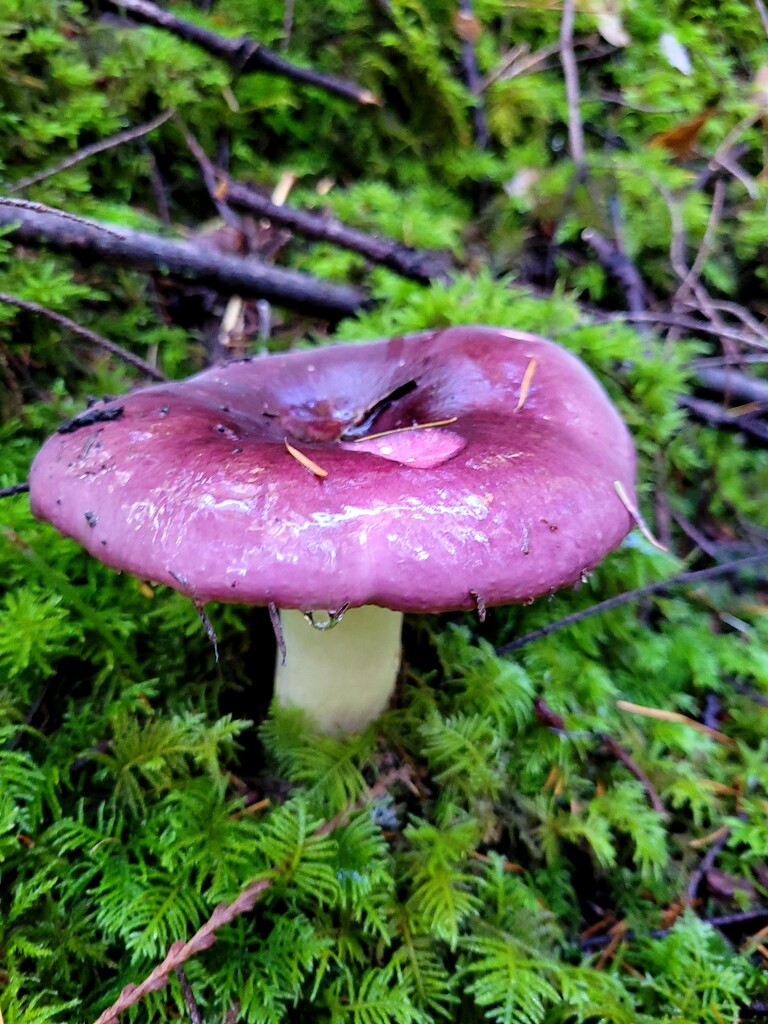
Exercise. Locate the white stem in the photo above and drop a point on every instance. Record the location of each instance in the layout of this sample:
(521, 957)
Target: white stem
(342, 677)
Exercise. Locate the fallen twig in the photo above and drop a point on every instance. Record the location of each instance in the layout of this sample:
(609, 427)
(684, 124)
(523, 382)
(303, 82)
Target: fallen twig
(637, 516)
(205, 936)
(420, 265)
(468, 28)
(552, 720)
(717, 415)
(707, 242)
(84, 332)
(27, 204)
(731, 383)
(87, 151)
(180, 952)
(189, 999)
(242, 53)
(620, 266)
(571, 76)
(661, 587)
(707, 863)
(633, 768)
(723, 155)
(141, 249)
(159, 189)
(690, 323)
(723, 921)
(7, 492)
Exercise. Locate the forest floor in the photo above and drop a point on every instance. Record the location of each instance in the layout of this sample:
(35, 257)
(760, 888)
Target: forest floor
(563, 816)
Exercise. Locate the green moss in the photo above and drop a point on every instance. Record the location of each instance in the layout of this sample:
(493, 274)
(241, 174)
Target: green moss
(142, 783)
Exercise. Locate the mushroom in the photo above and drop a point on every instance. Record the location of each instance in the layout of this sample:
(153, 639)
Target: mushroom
(452, 469)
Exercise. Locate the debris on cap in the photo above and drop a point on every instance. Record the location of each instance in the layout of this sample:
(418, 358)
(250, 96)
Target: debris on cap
(420, 473)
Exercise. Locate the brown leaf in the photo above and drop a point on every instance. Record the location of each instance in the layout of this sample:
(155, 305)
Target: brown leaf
(680, 141)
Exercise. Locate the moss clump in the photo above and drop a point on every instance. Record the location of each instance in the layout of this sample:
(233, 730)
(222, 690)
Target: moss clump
(537, 855)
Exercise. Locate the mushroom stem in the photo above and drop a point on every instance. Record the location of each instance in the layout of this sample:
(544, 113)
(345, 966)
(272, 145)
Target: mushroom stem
(342, 677)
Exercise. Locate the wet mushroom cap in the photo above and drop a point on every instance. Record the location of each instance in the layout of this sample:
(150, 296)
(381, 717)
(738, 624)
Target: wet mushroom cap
(263, 480)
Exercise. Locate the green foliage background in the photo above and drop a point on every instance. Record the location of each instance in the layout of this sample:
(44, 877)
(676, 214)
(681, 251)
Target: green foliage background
(134, 770)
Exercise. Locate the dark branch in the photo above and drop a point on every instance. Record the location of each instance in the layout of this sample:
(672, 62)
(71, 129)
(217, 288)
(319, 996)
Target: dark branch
(620, 266)
(633, 768)
(243, 54)
(571, 77)
(683, 580)
(468, 30)
(7, 492)
(189, 999)
(718, 416)
(420, 265)
(96, 339)
(723, 921)
(227, 274)
(707, 863)
(732, 384)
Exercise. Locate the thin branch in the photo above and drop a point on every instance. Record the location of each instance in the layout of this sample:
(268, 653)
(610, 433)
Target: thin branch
(84, 332)
(713, 221)
(277, 629)
(676, 717)
(742, 314)
(761, 10)
(707, 863)
(506, 66)
(723, 921)
(180, 952)
(158, 185)
(216, 194)
(466, 22)
(571, 76)
(224, 913)
(620, 266)
(189, 999)
(552, 720)
(129, 135)
(227, 274)
(27, 204)
(420, 265)
(726, 362)
(723, 154)
(714, 414)
(519, 61)
(7, 492)
(243, 54)
(702, 542)
(633, 768)
(683, 580)
(732, 384)
(689, 323)
(288, 12)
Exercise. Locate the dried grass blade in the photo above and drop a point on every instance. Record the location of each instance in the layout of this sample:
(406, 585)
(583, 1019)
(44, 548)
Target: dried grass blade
(305, 461)
(525, 383)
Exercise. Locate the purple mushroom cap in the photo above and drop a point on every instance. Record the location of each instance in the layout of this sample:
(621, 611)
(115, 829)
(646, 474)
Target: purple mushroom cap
(313, 480)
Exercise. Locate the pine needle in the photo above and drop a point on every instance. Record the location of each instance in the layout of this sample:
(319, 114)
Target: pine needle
(305, 461)
(525, 383)
(674, 716)
(634, 511)
(402, 430)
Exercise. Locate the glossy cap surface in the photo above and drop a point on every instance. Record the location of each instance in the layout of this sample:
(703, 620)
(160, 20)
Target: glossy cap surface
(263, 481)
